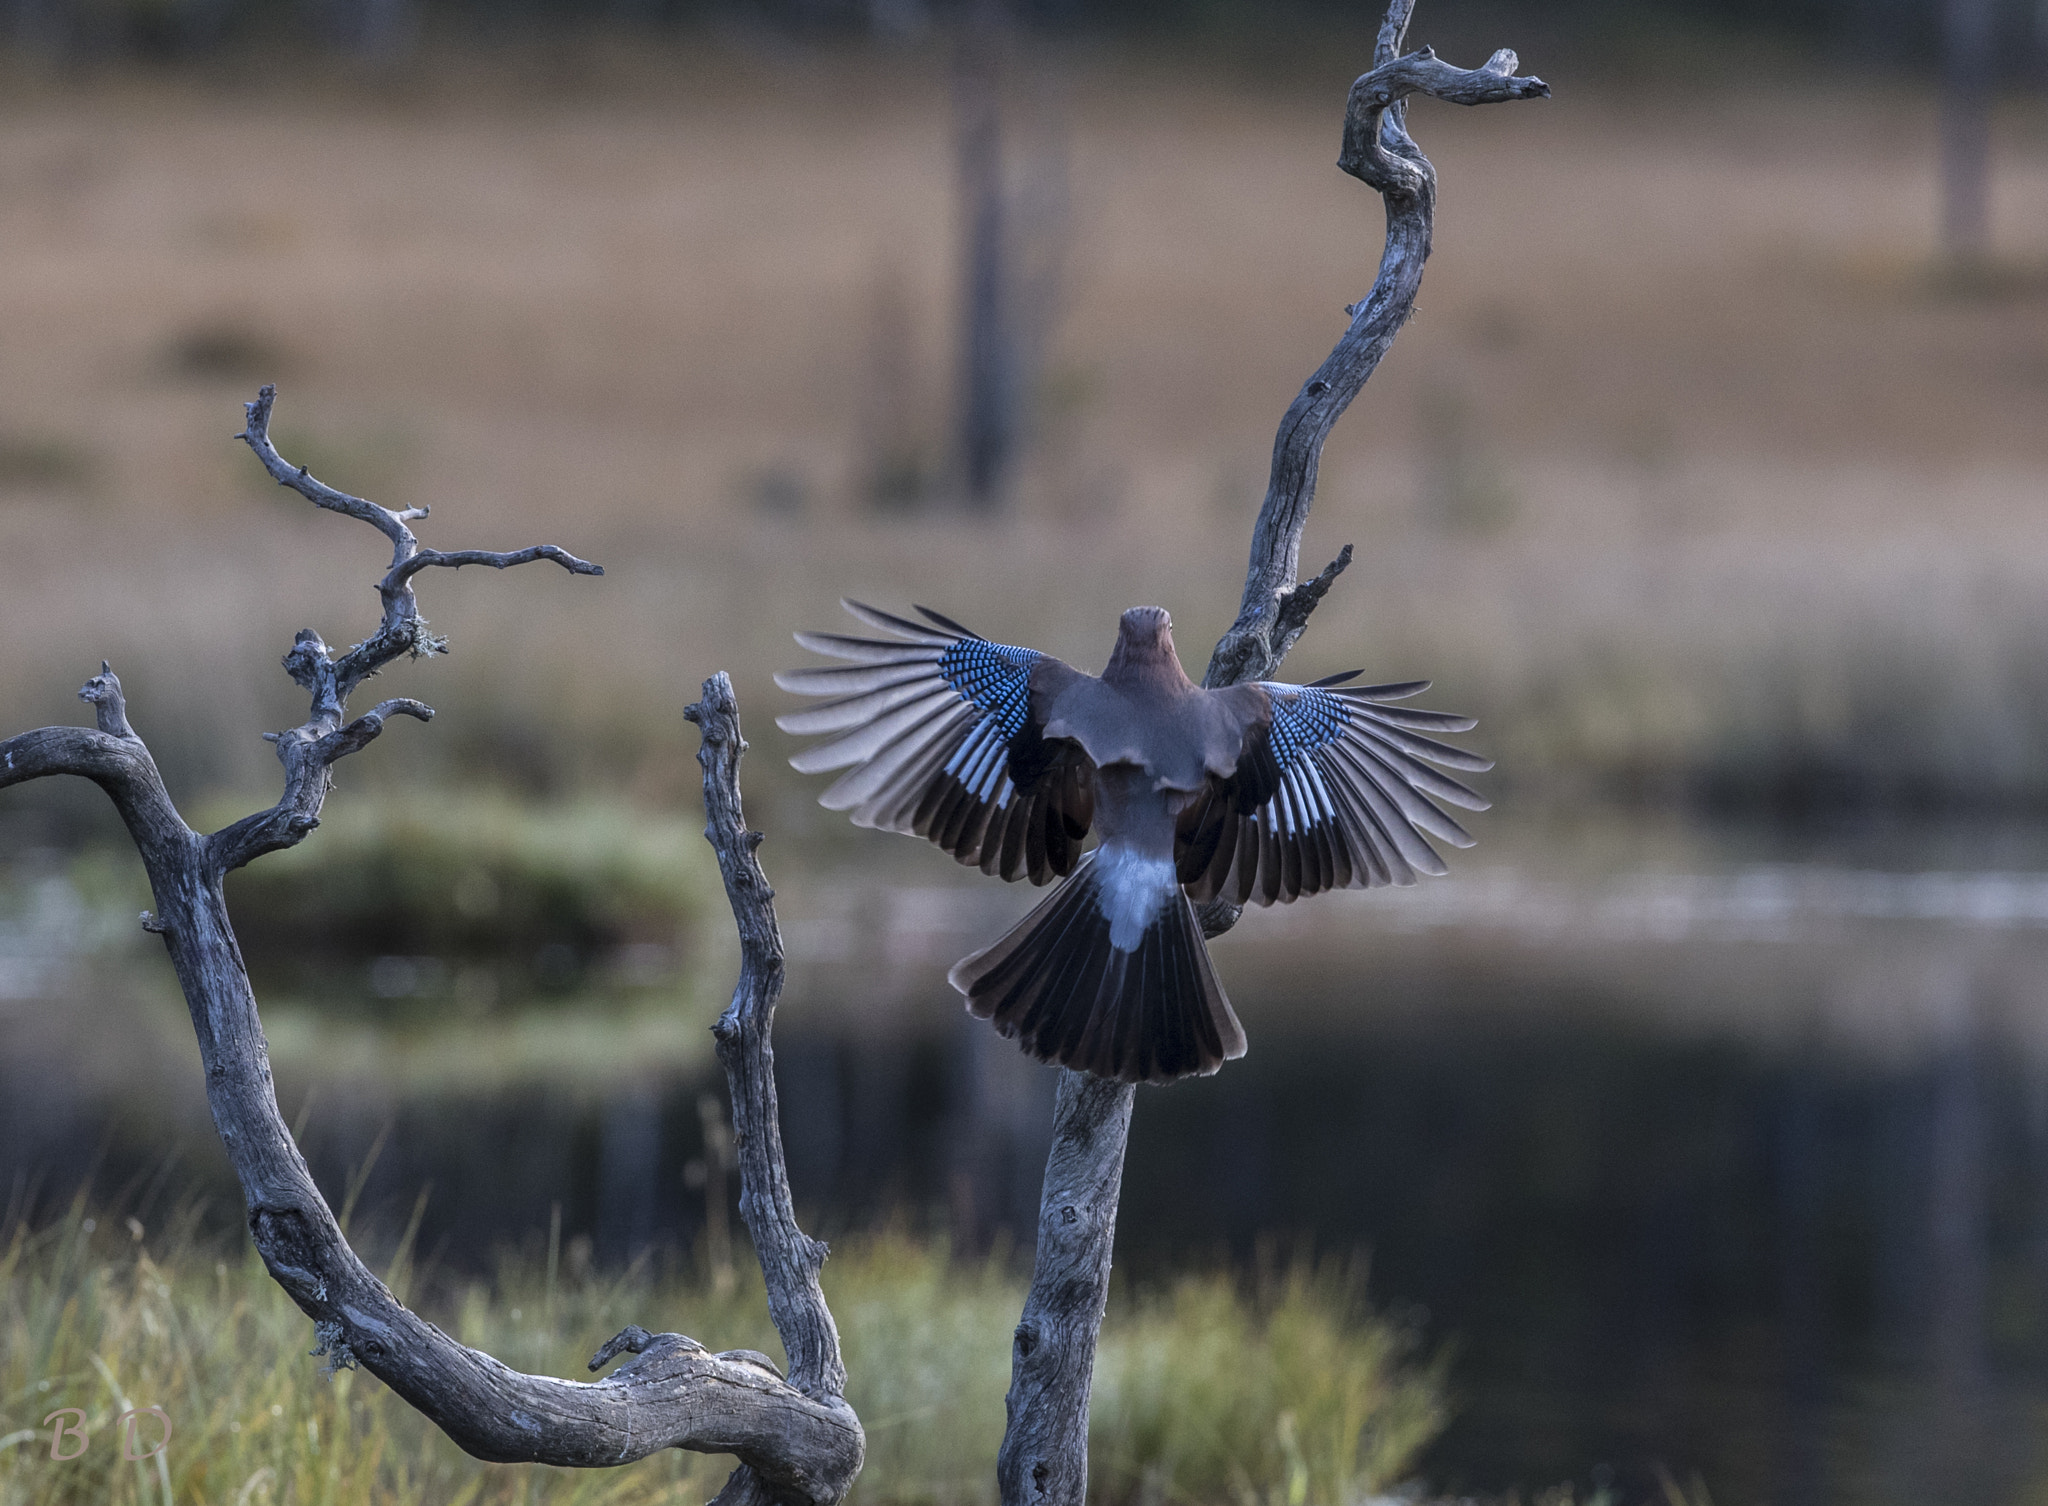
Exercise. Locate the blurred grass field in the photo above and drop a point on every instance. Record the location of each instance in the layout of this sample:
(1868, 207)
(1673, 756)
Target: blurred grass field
(1305, 1398)
(1693, 475)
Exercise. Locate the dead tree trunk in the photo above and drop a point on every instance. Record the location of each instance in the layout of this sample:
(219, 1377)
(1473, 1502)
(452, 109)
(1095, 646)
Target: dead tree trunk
(990, 383)
(1966, 34)
(1044, 1458)
(797, 1440)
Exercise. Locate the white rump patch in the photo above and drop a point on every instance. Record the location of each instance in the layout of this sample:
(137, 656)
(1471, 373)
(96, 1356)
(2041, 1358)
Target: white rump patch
(1130, 890)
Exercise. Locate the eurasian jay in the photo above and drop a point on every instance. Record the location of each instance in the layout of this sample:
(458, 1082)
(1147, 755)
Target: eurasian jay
(1007, 758)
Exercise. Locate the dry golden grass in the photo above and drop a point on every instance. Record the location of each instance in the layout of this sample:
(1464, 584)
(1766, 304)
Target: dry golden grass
(1305, 1396)
(1687, 469)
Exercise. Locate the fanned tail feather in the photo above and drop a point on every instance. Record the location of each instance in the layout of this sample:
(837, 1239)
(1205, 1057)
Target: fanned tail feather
(1058, 987)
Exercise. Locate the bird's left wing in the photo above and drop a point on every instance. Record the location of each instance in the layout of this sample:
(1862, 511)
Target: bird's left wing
(1333, 790)
(942, 735)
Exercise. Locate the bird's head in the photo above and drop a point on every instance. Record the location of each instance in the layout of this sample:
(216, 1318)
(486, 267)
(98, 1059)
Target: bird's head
(1144, 645)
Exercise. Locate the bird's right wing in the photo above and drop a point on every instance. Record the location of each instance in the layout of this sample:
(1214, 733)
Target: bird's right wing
(942, 735)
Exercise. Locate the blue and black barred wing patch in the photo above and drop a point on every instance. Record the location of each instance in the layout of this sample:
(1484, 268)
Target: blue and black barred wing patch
(939, 731)
(1334, 789)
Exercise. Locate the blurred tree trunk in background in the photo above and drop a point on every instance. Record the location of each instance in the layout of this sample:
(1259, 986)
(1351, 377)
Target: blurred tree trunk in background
(989, 396)
(1900, 31)
(368, 28)
(1013, 238)
(1967, 31)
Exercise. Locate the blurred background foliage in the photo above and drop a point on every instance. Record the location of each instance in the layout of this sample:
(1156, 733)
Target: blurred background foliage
(470, 903)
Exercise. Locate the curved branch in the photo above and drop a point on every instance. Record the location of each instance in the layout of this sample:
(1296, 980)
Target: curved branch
(673, 1394)
(455, 559)
(1379, 152)
(790, 1259)
(1044, 1459)
(112, 757)
(798, 1443)
(402, 630)
(307, 754)
(309, 750)
(256, 434)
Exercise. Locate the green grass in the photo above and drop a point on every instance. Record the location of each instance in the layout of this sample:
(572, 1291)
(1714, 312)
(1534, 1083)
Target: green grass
(1277, 1390)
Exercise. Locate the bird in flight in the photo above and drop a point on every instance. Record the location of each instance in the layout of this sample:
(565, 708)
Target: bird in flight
(1007, 758)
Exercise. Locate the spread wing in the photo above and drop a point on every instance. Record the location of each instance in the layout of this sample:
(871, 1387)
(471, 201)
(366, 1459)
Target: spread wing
(1333, 790)
(942, 735)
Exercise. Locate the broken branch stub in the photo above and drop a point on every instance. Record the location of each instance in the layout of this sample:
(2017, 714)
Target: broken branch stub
(798, 1442)
(1044, 1459)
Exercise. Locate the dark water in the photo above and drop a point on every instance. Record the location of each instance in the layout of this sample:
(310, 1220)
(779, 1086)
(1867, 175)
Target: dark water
(1721, 1155)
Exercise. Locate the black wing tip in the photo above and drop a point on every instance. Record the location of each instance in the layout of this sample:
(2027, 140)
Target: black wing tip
(873, 616)
(915, 631)
(942, 620)
(1337, 679)
(1398, 690)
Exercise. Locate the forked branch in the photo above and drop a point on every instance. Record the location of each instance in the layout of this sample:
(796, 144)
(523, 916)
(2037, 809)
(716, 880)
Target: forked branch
(797, 1440)
(1044, 1459)
(310, 749)
(402, 631)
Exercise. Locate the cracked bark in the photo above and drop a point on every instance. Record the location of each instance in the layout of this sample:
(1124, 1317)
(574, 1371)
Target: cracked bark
(797, 1440)
(1044, 1457)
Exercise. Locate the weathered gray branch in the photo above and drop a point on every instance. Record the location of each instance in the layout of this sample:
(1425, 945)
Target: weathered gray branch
(796, 1439)
(1044, 1458)
(309, 750)
(790, 1260)
(402, 631)
(112, 757)
(1379, 152)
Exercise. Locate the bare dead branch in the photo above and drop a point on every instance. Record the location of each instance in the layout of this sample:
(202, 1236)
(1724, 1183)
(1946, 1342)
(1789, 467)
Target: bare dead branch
(1379, 152)
(359, 733)
(798, 1443)
(256, 434)
(112, 757)
(1044, 1458)
(309, 750)
(455, 559)
(307, 755)
(402, 630)
(673, 1394)
(1044, 1455)
(790, 1259)
(118, 765)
